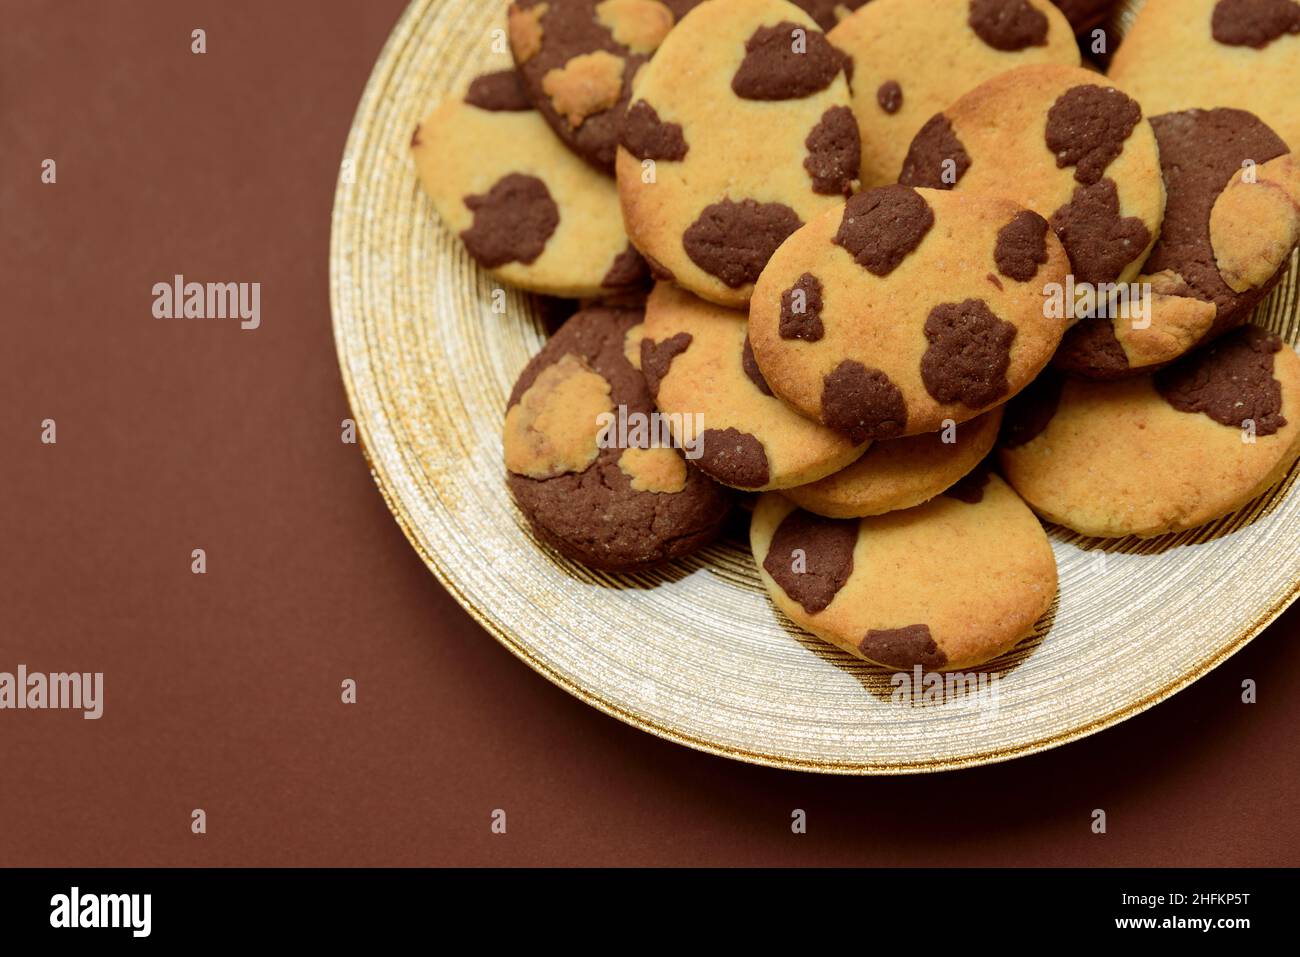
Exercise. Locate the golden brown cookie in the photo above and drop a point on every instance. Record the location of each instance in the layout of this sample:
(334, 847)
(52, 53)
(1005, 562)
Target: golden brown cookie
(698, 365)
(910, 60)
(527, 209)
(1202, 154)
(946, 585)
(739, 132)
(1158, 453)
(1185, 54)
(902, 473)
(905, 308)
(588, 494)
(1064, 142)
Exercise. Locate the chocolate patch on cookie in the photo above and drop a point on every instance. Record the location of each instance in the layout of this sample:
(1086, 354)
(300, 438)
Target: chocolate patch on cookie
(1231, 381)
(1091, 348)
(801, 310)
(512, 221)
(970, 487)
(890, 96)
(862, 403)
(773, 70)
(733, 458)
(646, 136)
(1087, 127)
(1100, 244)
(834, 152)
(1008, 25)
(628, 269)
(996, 282)
(750, 365)
(881, 226)
(1030, 410)
(903, 648)
(811, 557)
(968, 355)
(936, 158)
(1253, 23)
(498, 92)
(733, 241)
(1200, 151)
(415, 137)
(1022, 246)
(658, 269)
(657, 357)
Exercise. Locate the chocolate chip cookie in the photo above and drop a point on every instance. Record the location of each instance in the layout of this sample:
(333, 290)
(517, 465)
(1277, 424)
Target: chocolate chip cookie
(1184, 54)
(905, 309)
(1158, 453)
(1064, 142)
(610, 504)
(1201, 152)
(947, 585)
(910, 60)
(527, 209)
(739, 132)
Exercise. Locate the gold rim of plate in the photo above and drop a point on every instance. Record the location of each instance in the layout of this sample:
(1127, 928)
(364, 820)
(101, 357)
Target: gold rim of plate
(695, 653)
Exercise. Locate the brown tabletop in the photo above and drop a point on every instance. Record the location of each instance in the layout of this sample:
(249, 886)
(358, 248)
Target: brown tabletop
(222, 689)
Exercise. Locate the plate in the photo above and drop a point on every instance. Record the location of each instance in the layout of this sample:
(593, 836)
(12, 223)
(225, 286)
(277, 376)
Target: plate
(695, 653)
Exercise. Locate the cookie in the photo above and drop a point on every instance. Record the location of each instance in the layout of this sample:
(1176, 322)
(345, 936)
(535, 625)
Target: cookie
(739, 132)
(910, 60)
(905, 308)
(1201, 151)
(527, 209)
(1064, 142)
(1185, 54)
(577, 60)
(699, 367)
(946, 585)
(902, 473)
(610, 504)
(1158, 453)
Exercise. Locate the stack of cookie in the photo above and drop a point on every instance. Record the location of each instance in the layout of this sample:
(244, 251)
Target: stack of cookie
(920, 278)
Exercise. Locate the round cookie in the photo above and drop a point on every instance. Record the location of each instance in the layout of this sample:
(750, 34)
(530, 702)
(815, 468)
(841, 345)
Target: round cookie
(1201, 153)
(910, 60)
(1185, 54)
(905, 308)
(739, 132)
(902, 473)
(699, 367)
(577, 60)
(1064, 142)
(1163, 452)
(946, 585)
(527, 209)
(610, 507)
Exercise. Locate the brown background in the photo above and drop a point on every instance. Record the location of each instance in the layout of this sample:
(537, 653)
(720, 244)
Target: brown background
(222, 691)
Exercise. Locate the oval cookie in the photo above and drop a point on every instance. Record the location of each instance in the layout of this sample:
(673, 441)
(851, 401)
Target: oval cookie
(1158, 453)
(1184, 54)
(1201, 152)
(905, 308)
(739, 132)
(527, 209)
(902, 473)
(698, 365)
(1064, 142)
(585, 495)
(946, 585)
(910, 60)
